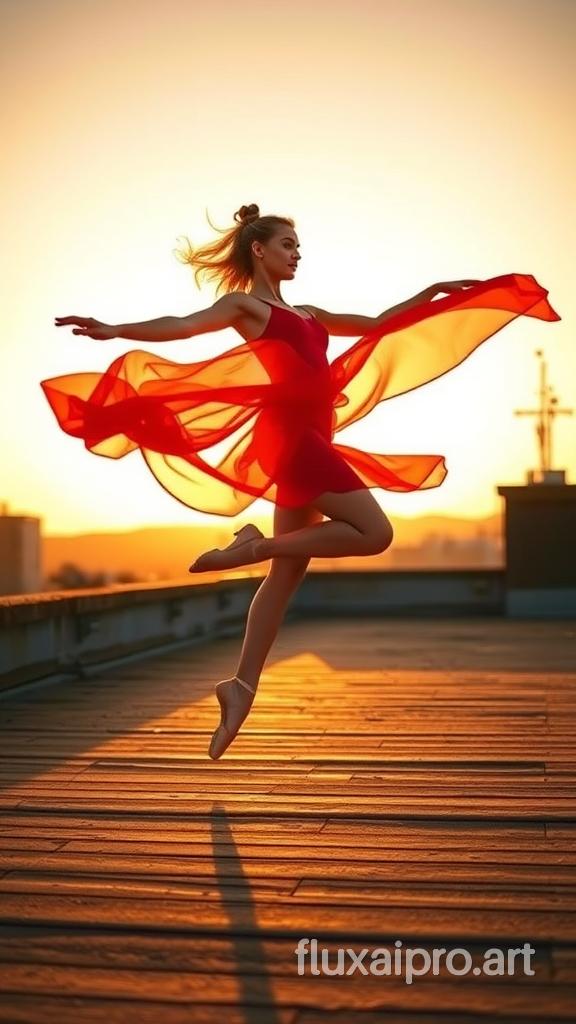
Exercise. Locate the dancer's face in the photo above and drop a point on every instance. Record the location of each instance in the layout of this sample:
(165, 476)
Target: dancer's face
(281, 254)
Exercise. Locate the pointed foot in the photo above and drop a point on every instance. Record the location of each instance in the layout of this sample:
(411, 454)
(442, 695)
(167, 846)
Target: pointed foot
(235, 702)
(231, 557)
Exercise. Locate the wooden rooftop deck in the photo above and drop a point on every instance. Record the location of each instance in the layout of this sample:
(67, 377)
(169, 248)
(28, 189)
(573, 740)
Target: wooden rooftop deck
(398, 779)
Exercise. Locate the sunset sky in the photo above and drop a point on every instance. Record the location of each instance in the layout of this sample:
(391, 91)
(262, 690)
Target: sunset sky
(412, 141)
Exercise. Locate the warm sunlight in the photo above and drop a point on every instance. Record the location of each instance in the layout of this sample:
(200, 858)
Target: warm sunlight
(400, 163)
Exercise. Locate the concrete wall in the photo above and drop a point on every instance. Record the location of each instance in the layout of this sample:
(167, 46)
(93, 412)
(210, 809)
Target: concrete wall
(69, 632)
(80, 632)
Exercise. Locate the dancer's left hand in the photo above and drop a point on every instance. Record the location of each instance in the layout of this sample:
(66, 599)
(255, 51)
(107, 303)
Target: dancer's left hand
(454, 286)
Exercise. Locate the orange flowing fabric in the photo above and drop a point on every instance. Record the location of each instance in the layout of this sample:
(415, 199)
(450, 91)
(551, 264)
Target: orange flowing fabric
(277, 401)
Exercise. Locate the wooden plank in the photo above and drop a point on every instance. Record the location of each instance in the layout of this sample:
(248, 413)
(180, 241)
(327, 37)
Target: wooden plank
(292, 916)
(327, 993)
(313, 804)
(393, 1017)
(276, 864)
(26, 1009)
(251, 887)
(555, 795)
(539, 853)
(206, 953)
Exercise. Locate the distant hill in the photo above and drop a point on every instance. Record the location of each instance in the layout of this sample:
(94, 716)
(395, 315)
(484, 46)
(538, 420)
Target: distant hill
(165, 552)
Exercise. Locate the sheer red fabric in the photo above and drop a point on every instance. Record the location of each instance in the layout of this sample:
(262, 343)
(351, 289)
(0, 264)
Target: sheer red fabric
(275, 403)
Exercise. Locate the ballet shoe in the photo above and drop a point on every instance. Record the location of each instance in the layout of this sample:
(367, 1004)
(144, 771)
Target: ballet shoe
(224, 734)
(249, 552)
(243, 535)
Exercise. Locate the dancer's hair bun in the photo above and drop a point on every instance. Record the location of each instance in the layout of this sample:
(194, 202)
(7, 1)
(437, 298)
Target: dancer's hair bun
(246, 214)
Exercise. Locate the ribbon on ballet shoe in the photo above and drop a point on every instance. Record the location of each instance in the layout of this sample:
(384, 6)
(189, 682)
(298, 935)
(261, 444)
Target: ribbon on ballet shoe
(247, 533)
(244, 684)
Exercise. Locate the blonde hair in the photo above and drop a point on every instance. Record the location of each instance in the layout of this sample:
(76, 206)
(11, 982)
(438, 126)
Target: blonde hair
(229, 259)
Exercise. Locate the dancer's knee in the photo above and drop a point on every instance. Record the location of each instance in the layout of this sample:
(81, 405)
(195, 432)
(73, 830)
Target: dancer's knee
(379, 537)
(360, 510)
(287, 572)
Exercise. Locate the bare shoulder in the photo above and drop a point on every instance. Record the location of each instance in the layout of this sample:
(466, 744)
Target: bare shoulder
(225, 312)
(252, 315)
(231, 304)
(250, 305)
(231, 301)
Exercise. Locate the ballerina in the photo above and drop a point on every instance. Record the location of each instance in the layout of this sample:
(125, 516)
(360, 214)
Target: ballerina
(288, 401)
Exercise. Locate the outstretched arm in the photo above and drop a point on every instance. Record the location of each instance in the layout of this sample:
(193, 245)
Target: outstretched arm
(222, 313)
(351, 325)
(164, 328)
(424, 296)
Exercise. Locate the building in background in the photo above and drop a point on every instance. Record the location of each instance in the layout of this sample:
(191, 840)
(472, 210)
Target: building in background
(539, 523)
(20, 553)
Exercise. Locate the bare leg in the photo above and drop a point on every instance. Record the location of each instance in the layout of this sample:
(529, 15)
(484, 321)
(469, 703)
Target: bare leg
(269, 603)
(357, 525)
(264, 619)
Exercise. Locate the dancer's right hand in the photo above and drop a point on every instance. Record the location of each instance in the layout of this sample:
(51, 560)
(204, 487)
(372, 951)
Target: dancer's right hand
(88, 326)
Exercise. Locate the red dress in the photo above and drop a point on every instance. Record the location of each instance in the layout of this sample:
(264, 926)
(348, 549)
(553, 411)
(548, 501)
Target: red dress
(277, 401)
